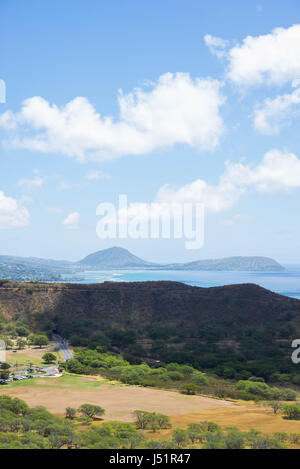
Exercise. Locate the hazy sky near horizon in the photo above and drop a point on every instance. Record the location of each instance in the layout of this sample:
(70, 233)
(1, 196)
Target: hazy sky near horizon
(173, 100)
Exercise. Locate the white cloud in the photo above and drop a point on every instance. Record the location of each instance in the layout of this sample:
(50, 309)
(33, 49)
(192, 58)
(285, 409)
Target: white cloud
(237, 219)
(12, 213)
(272, 114)
(278, 172)
(96, 175)
(175, 110)
(71, 222)
(271, 58)
(216, 198)
(35, 183)
(216, 45)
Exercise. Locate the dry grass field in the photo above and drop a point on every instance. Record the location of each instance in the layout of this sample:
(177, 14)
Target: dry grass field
(243, 416)
(120, 401)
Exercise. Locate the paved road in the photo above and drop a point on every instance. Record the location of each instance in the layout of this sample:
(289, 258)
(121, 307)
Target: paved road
(63, 345)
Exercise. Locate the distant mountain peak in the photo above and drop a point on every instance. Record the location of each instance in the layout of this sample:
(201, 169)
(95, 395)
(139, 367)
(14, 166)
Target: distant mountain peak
(114, 257)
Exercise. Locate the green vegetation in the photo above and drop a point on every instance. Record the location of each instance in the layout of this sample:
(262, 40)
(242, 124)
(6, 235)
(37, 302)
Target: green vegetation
(184, 378)
(266, 392)
(235, 332)
(291, 412)
(91, 411)
(113, 367)
(70, 413)
(151, 420)
(41, 340)
(49, 358)
(22, 427)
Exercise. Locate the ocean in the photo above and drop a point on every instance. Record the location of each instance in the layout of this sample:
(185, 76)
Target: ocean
(285, 283)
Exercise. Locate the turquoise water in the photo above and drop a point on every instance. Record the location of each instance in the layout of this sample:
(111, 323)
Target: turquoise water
(286, 282)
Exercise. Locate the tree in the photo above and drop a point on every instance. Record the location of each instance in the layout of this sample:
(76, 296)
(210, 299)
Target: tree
(142, 419)
(40, 340)
(189, 388)
(9, 343)
(180, 437)
(21, 344)
(49, 357)
(22, 331)
(4, 374)
(163, 421)
(61, 435)
(235, 439)
(276, 406)
(145, 420)
(153, 425)
(91, 411)
(70, 413)
(4, 366)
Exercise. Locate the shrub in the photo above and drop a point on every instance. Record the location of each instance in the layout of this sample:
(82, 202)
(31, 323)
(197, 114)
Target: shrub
(74, 366)
(268, 392)
(134, 374)
(199, 378)
(174, 376)
(291, 412)
(295, 438)
(281, 436)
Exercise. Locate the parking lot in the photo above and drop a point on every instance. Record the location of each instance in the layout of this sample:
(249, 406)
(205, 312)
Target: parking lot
(31, 373)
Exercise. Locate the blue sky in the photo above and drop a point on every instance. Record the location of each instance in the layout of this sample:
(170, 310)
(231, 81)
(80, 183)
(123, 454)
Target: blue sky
(54, 52)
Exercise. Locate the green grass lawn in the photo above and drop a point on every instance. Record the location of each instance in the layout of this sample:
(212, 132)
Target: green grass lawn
(30, 355)
(64, 382)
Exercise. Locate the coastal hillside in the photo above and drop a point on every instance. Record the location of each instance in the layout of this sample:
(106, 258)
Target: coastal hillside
(237, 263)
(144, 304)
(244, 325)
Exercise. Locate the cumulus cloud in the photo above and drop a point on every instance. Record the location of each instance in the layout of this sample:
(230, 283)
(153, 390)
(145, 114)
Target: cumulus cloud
(271, 58)
(278, 171)
(175, 110)
(272, 114)
(216, 45)
(215, 198)
(12, 213)
(71, 222)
